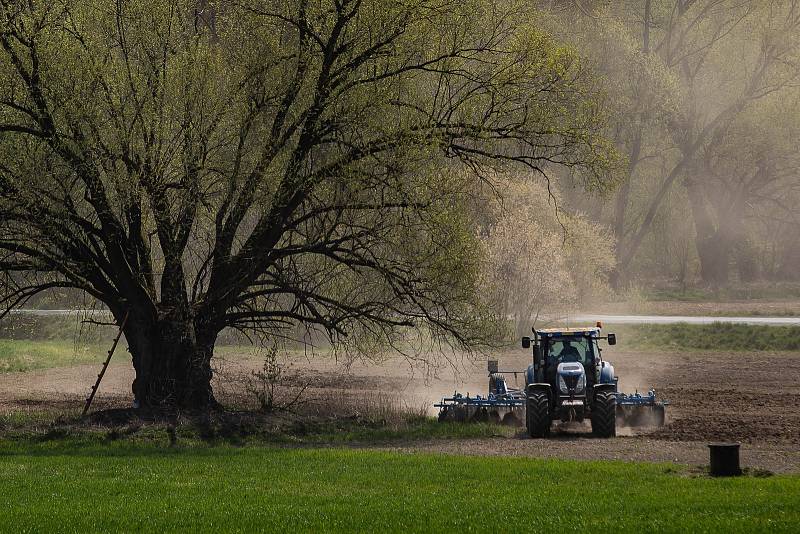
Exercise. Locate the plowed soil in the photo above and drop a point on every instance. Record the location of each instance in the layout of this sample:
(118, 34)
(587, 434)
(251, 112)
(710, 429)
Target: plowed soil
(753, 399)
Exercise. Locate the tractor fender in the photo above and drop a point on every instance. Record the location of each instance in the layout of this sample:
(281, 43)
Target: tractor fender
(538, 387)
(529, 375)
(607, 373)
(603, 387)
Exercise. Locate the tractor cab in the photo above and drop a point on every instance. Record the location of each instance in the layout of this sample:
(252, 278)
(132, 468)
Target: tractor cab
(557, 350)
(568, 379)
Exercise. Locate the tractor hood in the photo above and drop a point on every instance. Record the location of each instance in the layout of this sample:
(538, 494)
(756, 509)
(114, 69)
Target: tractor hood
(570, 369)
(571, 378)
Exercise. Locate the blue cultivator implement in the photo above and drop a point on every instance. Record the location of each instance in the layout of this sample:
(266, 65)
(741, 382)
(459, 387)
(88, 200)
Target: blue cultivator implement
(641, 410)
(568, 380)
(502, 404)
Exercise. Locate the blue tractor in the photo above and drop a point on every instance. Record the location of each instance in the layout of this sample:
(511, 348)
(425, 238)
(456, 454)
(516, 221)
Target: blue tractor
(569, 381)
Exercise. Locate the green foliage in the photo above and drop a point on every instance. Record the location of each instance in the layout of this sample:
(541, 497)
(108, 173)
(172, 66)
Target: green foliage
(62, 487)
(540, 257)
(273, 164)
(703, 95)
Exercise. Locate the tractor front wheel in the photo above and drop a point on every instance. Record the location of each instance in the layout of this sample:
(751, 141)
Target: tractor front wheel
(604, 415)
(537, 416)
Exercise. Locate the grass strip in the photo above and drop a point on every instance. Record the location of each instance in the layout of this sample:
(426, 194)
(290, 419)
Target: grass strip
(708, 337)
(58, 487)
(24, 355)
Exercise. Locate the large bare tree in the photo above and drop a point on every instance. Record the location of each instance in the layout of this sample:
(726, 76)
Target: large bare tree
(198, 166)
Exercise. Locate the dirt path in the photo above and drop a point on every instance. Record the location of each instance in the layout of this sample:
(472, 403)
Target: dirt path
(64, 387)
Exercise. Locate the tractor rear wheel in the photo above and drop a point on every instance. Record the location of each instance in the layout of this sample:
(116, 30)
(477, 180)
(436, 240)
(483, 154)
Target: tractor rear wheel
(604, 415)
(537, 415)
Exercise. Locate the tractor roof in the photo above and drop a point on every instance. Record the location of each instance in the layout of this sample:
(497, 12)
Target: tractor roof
(591, 331)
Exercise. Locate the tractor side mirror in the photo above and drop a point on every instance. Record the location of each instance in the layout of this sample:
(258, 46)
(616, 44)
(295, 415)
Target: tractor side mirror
(612, 339)
(526, 342)
(492, 366)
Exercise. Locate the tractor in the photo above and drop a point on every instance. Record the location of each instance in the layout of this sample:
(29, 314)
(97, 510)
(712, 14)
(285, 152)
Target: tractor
(569, 381)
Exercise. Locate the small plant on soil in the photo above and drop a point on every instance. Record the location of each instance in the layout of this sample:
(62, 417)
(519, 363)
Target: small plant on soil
(267, 386)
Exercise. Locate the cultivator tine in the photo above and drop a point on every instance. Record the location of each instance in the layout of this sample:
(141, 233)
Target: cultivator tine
(640, 411)
(502, 404)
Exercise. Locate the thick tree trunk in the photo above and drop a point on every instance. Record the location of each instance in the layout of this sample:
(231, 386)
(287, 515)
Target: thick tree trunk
(741, 248)
(714, 253)
(172, 363)
(712, 243)
(746, 257)
(618, 277)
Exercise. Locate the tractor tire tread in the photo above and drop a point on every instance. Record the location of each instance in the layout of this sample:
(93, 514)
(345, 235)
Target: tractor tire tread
(537, 415)
(604, 415)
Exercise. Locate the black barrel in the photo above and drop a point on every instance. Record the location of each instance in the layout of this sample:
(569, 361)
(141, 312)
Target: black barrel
(724, 459)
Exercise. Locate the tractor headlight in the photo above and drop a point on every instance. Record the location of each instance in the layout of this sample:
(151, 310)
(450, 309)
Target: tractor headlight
(562, 385)
(581, 385)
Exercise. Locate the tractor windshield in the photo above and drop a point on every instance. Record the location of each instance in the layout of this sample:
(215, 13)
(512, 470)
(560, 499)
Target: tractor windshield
(572, 349)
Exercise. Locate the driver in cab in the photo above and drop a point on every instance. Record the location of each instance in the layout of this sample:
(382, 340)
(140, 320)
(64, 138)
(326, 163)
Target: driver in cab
(568, 353)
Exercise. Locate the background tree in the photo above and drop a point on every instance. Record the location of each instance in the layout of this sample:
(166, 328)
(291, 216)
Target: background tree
(271, 163)
(541, 259)
(749, 171)
(691, 71)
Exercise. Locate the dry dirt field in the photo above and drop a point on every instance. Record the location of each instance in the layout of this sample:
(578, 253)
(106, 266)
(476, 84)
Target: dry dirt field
(750, 398)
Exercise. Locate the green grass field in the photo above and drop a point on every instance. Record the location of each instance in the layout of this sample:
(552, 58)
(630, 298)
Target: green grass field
(20, 355)
(711, 337)
(63, 488)
(761, 290)
(31, 427)
(24, 355)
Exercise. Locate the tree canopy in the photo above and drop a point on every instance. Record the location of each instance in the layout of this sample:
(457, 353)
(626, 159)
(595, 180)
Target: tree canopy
(687, 78)
(259, 165)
